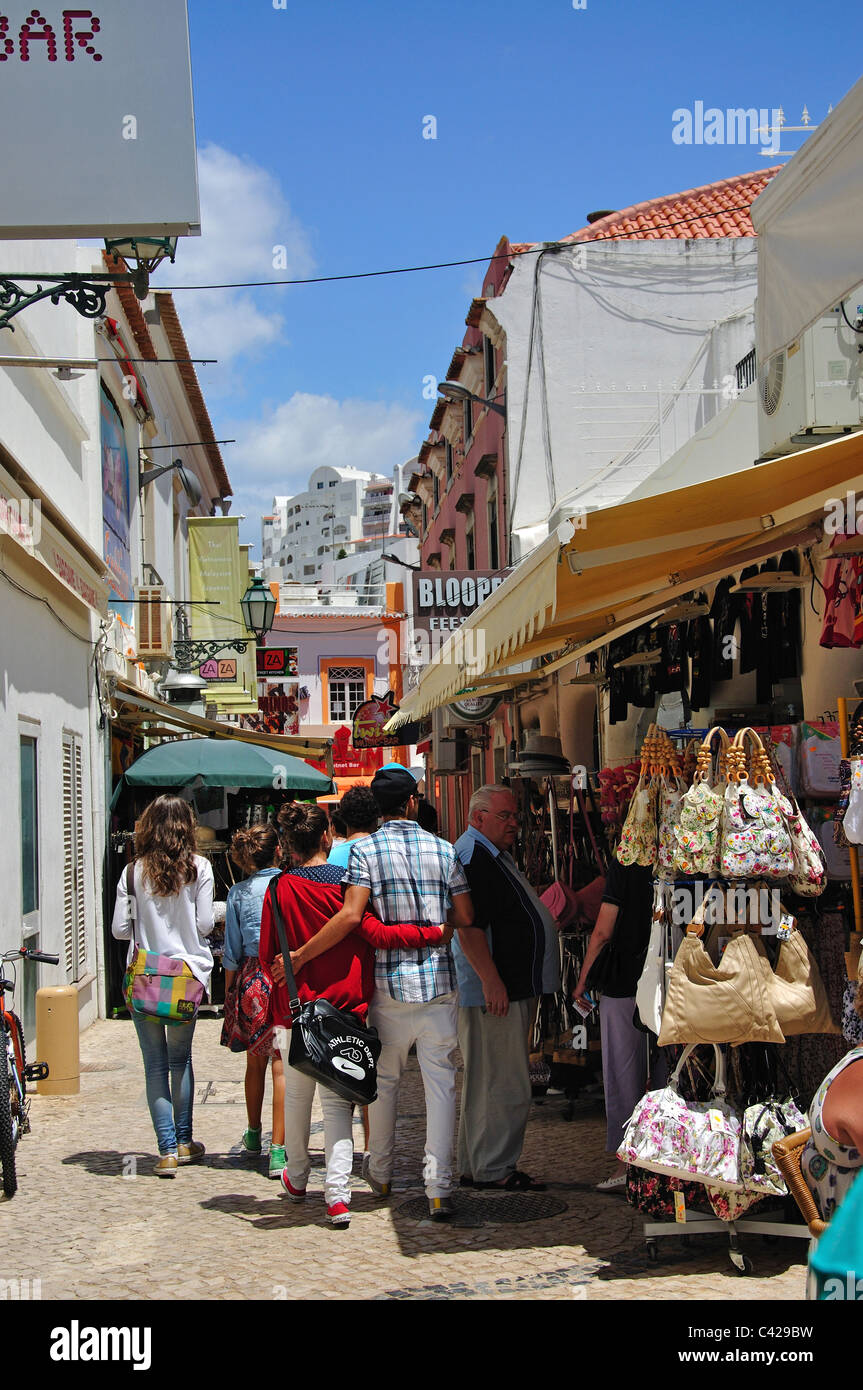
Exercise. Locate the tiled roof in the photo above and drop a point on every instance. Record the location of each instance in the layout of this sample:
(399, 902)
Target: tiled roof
(714, 210)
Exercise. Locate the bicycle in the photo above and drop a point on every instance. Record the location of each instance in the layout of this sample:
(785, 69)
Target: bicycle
(14, 1071)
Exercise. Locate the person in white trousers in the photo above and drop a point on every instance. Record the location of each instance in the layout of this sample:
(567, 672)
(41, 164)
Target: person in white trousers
(407, 875)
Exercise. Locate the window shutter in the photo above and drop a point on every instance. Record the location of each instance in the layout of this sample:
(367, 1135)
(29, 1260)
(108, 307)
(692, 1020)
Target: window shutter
(80, 875)
(68, 858)
(74, 898)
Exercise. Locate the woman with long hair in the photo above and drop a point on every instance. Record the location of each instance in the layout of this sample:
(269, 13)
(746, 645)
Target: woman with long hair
(165, 904)
(308, 896)
(257, 853)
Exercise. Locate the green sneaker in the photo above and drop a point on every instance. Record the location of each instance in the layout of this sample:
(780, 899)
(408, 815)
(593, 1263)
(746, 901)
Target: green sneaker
(252, 1143)
(277, 1161)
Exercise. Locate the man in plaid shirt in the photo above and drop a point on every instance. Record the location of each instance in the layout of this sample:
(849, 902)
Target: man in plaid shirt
(404, 874)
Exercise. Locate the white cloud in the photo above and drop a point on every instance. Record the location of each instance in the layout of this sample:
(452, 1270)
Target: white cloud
(244, 216)
(275, 455)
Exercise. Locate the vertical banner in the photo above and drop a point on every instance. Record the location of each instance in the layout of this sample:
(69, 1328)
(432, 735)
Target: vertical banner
(116, 504)
(219, 574)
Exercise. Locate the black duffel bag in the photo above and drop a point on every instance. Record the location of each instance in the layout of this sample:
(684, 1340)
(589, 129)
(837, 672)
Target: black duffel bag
(331, 1045)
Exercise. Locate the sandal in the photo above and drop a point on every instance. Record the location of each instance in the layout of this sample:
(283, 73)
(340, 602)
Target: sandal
(516, 1182)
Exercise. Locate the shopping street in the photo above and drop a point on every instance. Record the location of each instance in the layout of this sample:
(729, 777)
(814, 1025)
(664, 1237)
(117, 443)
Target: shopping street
(105, 1222)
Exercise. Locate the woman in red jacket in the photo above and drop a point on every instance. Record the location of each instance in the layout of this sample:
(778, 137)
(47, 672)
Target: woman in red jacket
(309, 895)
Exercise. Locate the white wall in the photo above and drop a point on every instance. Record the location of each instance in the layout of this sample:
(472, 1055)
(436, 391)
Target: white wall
(631, 341)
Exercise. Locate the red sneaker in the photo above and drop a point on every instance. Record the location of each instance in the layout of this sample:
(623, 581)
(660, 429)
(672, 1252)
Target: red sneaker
(339, 1214)
(293, 1193)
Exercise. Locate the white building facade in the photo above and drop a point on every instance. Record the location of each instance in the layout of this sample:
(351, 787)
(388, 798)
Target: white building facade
(75, 534)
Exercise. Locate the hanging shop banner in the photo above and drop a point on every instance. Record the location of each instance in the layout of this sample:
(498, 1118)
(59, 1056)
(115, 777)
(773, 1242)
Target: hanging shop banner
(116, 500)
(219, 575)
(369, 721)
(108, 143)
(277, 661)
(443, 600)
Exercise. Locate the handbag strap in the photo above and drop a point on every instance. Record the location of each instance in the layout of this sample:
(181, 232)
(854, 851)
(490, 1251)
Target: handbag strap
(133, 899)
(278, 918)
(718, 1076)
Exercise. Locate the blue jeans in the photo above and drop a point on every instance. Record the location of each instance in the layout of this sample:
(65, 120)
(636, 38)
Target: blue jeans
(167, 1048)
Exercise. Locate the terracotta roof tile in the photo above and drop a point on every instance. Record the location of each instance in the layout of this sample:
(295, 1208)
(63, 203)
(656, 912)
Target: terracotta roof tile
(714, 210)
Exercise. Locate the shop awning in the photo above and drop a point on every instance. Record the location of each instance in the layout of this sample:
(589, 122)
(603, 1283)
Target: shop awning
(808, 222)
(134, 708)
(219, 762)
(585, 585)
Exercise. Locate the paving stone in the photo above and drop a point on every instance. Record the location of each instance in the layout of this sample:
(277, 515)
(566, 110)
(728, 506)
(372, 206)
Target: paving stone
(103, 1220)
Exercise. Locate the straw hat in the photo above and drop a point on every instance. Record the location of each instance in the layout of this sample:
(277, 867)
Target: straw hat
(206, 842)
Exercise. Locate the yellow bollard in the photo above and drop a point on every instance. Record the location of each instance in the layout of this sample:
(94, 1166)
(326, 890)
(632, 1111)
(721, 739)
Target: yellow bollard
(57, 1040)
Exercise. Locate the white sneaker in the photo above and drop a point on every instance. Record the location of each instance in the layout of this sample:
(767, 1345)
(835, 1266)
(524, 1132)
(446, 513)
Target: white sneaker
(613, 1184)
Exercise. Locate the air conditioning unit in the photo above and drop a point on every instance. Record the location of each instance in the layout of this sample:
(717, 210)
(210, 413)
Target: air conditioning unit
(155, 635)
(811, 390)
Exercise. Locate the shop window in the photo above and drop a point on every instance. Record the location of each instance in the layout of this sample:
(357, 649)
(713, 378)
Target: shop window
(493, 548)
(488, 361)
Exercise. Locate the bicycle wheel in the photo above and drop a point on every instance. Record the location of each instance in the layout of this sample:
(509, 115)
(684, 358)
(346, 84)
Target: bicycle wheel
(7, 1136)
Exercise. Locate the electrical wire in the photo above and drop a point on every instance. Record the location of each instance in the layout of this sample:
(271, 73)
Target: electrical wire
(40, 599)
(537, 250)
(852, 326)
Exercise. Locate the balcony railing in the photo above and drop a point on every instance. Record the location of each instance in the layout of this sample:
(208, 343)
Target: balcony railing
(746, 371)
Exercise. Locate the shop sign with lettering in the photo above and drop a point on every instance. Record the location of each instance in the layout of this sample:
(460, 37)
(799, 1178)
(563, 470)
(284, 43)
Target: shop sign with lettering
(443, 600)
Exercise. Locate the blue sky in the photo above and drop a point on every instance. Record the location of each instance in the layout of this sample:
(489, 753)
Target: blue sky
(310, 136)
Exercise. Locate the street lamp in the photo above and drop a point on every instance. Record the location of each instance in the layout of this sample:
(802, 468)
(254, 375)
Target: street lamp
(258, 608)
(454, 391)
(188, 481)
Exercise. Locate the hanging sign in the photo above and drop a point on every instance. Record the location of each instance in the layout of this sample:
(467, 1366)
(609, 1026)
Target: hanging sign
(475, 709)
(369, 721)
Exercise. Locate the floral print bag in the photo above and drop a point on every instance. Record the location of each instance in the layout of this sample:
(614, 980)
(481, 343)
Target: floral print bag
(695, 836)
(697, 1141)
(756, 842)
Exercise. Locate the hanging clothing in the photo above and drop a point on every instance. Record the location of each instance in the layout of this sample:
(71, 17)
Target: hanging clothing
(843, 576)
(725, 611)
(701, 657)
(672, 673)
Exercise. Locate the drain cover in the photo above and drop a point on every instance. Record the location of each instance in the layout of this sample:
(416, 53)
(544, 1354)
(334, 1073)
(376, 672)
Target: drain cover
(473, 1209)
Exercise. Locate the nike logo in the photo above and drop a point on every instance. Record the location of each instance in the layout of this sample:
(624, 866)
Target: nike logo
(349, 1068)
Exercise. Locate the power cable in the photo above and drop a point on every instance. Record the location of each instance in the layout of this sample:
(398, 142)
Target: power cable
(40, 599)
(538, 250)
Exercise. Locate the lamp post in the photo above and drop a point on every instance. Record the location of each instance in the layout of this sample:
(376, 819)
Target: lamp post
(454, 391)
(258, 608)
(87, 292)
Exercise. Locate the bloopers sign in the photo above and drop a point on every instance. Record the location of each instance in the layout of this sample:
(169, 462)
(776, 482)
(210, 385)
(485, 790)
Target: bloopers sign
(369, 721)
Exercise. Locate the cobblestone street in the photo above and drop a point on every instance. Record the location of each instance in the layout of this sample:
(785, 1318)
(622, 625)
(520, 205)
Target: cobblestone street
(91, 1221)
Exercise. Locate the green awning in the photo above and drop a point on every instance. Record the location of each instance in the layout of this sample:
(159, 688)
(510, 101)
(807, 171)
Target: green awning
(218, 762)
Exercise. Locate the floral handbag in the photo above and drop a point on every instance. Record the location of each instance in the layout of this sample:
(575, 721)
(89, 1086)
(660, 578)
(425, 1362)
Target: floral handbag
(696, 834)
(756, 842)
(697, 1141)
(670, 801)
(764, 1124)
(638, 837)
(809, 875)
